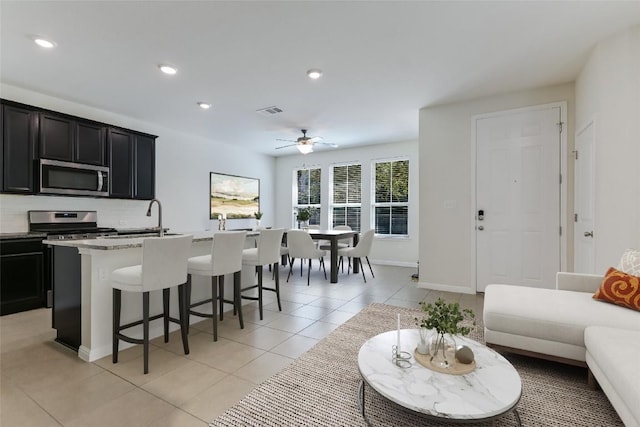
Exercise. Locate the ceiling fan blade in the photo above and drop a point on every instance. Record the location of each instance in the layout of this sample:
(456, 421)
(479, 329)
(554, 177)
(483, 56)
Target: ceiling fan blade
(286, 140)
(285, 146)
(315, 138)
(328, 144)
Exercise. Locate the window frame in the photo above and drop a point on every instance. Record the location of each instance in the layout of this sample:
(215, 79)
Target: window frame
(347, 204)
(312, 206)
(390, 204)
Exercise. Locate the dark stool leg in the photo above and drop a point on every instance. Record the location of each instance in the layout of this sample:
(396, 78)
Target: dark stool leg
(117, 295)
(277, 280)
(308, 271)
(237, 296)
(221, 294)
(214, 306)
(165, 312)
(183, 324)
(145, 329)
(260, 290)
(187, 302)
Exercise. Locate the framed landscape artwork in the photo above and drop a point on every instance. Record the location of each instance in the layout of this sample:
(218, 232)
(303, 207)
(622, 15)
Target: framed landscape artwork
(233, 197)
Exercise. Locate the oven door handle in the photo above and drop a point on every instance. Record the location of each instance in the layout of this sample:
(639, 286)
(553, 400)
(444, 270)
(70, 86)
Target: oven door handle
(100, 181)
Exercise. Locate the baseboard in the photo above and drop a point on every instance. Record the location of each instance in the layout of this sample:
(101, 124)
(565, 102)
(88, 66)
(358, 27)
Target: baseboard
(446, 288)
(393, 263)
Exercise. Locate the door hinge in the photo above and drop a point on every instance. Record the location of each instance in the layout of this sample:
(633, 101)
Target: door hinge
(560, 178)
(560, 126)
(575, 217)
(561, 230)
(575, 154)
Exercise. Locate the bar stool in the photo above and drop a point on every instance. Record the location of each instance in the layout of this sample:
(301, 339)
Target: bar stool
(164, 265)
(267, 252)
(225, 258)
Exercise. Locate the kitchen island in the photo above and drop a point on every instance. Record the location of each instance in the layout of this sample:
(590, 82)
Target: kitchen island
(82, 307)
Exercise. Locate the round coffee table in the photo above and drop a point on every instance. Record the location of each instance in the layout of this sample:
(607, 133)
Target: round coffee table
(491, 390)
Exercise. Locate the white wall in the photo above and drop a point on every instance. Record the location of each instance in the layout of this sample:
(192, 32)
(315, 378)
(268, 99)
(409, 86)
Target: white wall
(445, 183)
(394, 251)
(183, 163)
(608, 92)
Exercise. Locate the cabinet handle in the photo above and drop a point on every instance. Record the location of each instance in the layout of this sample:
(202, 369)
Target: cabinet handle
(100, 181)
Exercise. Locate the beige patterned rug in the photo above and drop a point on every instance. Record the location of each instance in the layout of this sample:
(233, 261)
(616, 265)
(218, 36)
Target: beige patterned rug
(320, 387)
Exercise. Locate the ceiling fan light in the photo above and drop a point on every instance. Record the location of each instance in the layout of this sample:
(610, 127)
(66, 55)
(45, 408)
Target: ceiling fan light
(314, 74)
(204, 105)
(305, 148)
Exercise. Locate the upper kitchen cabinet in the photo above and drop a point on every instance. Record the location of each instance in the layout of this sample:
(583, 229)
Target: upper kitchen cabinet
(19, 138)
(67, 139)
(132, 164)
(144, 186)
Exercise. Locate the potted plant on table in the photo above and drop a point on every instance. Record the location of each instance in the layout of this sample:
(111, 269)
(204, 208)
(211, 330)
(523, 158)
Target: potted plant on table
(303, 216)
(446, 319)
(258, 216)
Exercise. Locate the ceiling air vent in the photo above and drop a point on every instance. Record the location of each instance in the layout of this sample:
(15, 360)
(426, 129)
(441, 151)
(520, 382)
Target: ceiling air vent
(269, 111)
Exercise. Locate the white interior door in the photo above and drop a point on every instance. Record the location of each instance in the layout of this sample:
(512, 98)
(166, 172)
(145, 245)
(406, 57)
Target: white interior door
(584, 253)
(518, 198)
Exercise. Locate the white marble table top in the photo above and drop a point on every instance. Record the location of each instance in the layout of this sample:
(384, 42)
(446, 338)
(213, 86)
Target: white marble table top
(492, 389)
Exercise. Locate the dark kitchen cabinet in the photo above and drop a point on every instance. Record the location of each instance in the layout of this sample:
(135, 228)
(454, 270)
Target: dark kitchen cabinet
(19, 138)
(120, 163)
(145, 167)
(21, 275)
(67, 139)
(67, 282)
(132, 164)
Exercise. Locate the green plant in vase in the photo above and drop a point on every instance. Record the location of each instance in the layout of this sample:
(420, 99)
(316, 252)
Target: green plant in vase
(304, 215)
(257, 215)
(446, 319)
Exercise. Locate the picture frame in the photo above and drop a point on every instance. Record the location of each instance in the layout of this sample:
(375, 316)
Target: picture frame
(233, 196)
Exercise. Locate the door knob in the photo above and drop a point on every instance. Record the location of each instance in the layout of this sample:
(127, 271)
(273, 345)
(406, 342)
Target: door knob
(480, 228)
(588, 234)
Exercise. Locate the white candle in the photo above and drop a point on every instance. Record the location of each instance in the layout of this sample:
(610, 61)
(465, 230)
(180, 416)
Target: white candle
(219, 217)
(398, 335)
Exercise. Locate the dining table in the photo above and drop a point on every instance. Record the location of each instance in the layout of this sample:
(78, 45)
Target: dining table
(333, 236)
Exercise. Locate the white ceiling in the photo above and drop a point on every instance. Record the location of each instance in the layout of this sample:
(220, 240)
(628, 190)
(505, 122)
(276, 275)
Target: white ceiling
(382, 60)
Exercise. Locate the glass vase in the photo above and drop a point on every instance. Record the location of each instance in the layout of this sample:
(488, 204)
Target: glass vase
(443, 350)
(423, 344)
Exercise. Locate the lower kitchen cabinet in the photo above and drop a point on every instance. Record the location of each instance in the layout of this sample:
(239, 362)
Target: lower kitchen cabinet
(21, 275)
(67, 309)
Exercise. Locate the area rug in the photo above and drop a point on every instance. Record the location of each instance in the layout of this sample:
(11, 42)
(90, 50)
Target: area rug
(320, 387)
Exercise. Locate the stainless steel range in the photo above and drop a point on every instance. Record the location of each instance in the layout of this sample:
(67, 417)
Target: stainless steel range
(70, 225)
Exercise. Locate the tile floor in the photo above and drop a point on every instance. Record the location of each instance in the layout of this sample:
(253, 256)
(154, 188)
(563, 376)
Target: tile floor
(44, 384)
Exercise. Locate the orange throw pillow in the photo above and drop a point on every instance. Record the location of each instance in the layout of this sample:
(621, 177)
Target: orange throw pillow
(620, 288)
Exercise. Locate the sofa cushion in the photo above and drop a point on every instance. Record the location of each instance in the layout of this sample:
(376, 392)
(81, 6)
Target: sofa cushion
(619, 288)
(630, 262)
(613, 356)
(550, 314)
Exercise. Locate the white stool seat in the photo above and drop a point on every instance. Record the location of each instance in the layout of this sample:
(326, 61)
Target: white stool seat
(127, 278)
(250, 256)
(200, 265)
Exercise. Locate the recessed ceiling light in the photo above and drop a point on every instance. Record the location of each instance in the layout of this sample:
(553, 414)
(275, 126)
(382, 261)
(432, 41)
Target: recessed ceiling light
(168, 69)
(204, 105)
(314, 73)
(48, 44)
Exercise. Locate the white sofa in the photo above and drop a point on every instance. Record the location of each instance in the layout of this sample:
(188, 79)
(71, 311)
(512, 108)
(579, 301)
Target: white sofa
(567, 325)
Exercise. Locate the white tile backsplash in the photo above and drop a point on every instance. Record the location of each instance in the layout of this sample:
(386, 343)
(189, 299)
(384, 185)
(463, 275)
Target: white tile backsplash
(111, 212)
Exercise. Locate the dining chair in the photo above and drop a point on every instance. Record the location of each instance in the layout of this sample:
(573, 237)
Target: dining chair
(225, 258)
(362, 249)
(267, 252)
(164, 266)
(301, 246)
(325, 245)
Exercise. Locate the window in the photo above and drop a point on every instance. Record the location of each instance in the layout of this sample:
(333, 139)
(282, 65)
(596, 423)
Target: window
(391, 197)
(307, 193)
(346, 198)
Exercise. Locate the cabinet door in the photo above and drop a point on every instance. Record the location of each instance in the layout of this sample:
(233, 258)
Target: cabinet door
(145, 165)
(90, 147)
(120, 164)
(57, 137)
(21, 281)
(19, 129)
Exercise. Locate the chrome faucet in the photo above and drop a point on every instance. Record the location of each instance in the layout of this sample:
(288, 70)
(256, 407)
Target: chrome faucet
(161, 230)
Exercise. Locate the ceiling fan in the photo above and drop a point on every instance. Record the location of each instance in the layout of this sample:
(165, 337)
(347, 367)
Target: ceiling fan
(305, 143)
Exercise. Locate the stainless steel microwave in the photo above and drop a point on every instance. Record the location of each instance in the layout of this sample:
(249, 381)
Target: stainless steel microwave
(77, 179)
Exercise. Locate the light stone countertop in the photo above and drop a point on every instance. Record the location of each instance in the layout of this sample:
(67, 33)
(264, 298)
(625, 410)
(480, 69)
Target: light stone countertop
(22, 235)
(124, 242)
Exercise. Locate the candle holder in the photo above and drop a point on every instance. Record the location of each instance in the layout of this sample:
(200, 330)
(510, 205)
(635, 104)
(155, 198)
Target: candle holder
(402, 359)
